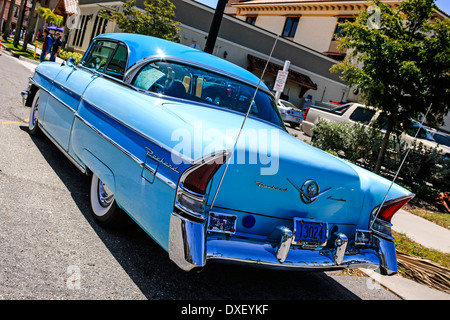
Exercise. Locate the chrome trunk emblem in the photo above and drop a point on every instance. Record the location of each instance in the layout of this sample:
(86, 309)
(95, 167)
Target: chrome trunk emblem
(309, 191)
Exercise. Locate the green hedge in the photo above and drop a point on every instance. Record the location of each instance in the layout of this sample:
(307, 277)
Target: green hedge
(77, 56)
(424, 172)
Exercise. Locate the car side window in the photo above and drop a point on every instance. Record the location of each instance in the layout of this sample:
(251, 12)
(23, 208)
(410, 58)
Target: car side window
(116, 67)
(99, 55)
(362, 115)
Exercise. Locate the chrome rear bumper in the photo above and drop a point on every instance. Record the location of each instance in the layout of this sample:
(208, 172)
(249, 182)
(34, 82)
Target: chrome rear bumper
(190, 247)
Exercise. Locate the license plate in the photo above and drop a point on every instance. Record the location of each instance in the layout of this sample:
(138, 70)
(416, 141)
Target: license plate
(310, 231)
(221, 222)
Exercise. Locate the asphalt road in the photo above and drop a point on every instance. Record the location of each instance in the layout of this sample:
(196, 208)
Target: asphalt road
(51, 248)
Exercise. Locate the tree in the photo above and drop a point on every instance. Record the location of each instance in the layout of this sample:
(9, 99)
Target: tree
(18, 33)
(400, 66)
(7, 30)
(157, 19)
(2, 13)
(29, 32)
(50, 17)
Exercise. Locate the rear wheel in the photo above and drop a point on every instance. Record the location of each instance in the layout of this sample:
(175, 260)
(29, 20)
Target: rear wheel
(103, 204)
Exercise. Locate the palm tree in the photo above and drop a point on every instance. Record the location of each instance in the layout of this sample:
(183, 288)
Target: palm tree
(50, 17)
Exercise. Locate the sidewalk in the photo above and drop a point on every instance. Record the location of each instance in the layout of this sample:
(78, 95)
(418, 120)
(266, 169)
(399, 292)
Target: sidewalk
(422, 231)
(29, 47)
(427, 234)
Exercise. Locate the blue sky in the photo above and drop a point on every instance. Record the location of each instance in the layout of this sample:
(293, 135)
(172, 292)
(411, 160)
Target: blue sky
(443, 4)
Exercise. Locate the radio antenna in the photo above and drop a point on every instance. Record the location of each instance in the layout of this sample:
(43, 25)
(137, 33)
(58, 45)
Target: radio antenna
(400, 167)
(243, 123)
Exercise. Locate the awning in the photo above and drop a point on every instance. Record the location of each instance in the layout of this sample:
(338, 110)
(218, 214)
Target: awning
(272, 68)
(68, 7)
(54, 28)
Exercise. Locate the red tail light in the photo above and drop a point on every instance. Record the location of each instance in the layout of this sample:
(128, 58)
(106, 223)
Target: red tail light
(197, 180)
(305, 113)
(388, 210)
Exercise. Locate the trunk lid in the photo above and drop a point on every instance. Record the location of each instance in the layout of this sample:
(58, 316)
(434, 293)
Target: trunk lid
(269, 168)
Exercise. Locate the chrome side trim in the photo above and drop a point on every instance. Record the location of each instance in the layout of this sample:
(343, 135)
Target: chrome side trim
(77, 165)
(112, 142)
(158, 175)
(52, 95)
(161, 145)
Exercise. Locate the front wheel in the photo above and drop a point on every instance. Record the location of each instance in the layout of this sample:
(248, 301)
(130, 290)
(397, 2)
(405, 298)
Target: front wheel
(103, 204)
(33, 127)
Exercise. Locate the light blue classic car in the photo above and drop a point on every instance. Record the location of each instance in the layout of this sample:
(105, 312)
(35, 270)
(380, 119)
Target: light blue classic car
(194, 150)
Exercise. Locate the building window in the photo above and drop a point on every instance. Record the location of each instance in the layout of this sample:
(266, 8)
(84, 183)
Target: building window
(290, 27)
(100, 25)
(79, 33)
(251, 20)
(339, 32)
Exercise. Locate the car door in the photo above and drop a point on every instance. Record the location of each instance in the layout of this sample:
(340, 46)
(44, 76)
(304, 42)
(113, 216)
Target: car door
(70, 84)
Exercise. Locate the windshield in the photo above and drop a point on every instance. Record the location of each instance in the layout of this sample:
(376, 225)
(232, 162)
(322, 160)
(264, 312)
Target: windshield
(192, 83)
(413, 126)
(289, 105)
(441, 139)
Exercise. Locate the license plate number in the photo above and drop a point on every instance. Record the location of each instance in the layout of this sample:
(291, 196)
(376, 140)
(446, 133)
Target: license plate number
(310, 231)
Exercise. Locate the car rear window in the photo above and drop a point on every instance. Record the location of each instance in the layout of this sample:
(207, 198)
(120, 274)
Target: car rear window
(362, 115)
(192, 83)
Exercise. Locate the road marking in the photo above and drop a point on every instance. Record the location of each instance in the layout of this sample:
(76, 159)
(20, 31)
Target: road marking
(14, 122)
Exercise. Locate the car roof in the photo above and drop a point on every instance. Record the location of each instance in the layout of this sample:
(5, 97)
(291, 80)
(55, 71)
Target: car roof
(142, 46)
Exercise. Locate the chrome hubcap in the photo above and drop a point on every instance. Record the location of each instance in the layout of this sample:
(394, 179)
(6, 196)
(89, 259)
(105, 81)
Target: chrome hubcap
(105, 196)
(34, 116)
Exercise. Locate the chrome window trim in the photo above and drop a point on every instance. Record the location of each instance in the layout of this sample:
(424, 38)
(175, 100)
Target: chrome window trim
(132, 71)
(118, 43)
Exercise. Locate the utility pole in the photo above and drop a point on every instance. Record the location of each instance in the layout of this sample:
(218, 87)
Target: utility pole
(215, 26)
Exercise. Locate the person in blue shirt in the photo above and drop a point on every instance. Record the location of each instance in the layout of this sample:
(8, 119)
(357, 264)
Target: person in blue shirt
(47, 45)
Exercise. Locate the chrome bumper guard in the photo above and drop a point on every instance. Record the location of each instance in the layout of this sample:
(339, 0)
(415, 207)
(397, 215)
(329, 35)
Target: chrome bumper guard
(190, 248)
(24, 95)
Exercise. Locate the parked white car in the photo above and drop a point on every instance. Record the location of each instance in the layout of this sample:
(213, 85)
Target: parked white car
(290, 113)
(358, 113)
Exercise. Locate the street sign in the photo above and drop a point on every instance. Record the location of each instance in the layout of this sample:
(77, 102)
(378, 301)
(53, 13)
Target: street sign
(281, 80)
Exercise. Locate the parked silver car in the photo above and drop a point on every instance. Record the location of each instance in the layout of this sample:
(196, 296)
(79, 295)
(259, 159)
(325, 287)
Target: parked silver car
(290, 113)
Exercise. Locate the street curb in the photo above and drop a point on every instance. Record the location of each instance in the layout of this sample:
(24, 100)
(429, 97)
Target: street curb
(16, 55)
(405, 288)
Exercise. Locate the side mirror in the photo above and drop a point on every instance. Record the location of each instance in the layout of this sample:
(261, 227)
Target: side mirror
(71, 62)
